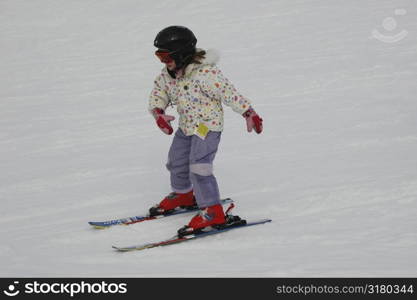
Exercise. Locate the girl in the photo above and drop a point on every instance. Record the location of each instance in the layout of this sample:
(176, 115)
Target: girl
(192, 81)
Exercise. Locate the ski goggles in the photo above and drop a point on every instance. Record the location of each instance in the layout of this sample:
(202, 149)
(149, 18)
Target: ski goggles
(164, 56)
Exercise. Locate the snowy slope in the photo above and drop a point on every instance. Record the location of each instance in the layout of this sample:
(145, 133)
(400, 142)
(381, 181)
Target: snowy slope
(336, 167)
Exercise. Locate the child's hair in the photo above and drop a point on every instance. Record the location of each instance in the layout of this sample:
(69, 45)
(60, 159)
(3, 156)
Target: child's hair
(198, 56)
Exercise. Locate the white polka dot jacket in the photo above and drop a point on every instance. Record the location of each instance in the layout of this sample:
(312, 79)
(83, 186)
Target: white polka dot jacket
(198, 95)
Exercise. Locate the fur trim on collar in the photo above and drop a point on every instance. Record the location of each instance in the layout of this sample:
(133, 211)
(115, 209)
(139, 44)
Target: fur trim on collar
(212, 57)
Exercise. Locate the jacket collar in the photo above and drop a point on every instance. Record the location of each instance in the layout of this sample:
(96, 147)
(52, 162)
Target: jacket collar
(212, 57)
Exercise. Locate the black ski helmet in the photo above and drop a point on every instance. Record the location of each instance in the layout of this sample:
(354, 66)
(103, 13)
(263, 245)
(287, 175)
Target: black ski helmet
(178, 40)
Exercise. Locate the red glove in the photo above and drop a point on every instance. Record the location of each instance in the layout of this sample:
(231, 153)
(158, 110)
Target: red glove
(253, 120)
(163, 120)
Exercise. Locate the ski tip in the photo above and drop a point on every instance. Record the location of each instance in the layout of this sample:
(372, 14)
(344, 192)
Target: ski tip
(262, 221)
(118, 249)
(96, 226)
(127, 249)
(266, 221)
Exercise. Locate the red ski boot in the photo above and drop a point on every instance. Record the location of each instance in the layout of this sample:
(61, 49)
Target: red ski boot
(211, 216)
(171, 202)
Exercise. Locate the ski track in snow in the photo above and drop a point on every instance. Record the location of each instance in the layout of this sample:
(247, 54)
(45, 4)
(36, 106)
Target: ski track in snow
(336, 166)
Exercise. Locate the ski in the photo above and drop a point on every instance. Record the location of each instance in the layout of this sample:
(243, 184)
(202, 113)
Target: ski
(176, 239)
(138, 219)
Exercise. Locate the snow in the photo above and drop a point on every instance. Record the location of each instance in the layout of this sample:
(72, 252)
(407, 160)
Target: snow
(336, 166)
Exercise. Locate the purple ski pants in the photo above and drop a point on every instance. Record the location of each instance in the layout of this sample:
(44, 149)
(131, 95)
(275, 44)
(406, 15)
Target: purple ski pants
(190, 162)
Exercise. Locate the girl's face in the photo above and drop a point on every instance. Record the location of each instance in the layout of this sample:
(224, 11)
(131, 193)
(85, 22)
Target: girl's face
(171, 65)
(165, 58)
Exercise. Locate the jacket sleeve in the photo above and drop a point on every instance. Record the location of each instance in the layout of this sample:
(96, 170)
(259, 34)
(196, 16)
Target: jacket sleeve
(217, 86)
(159, 97)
